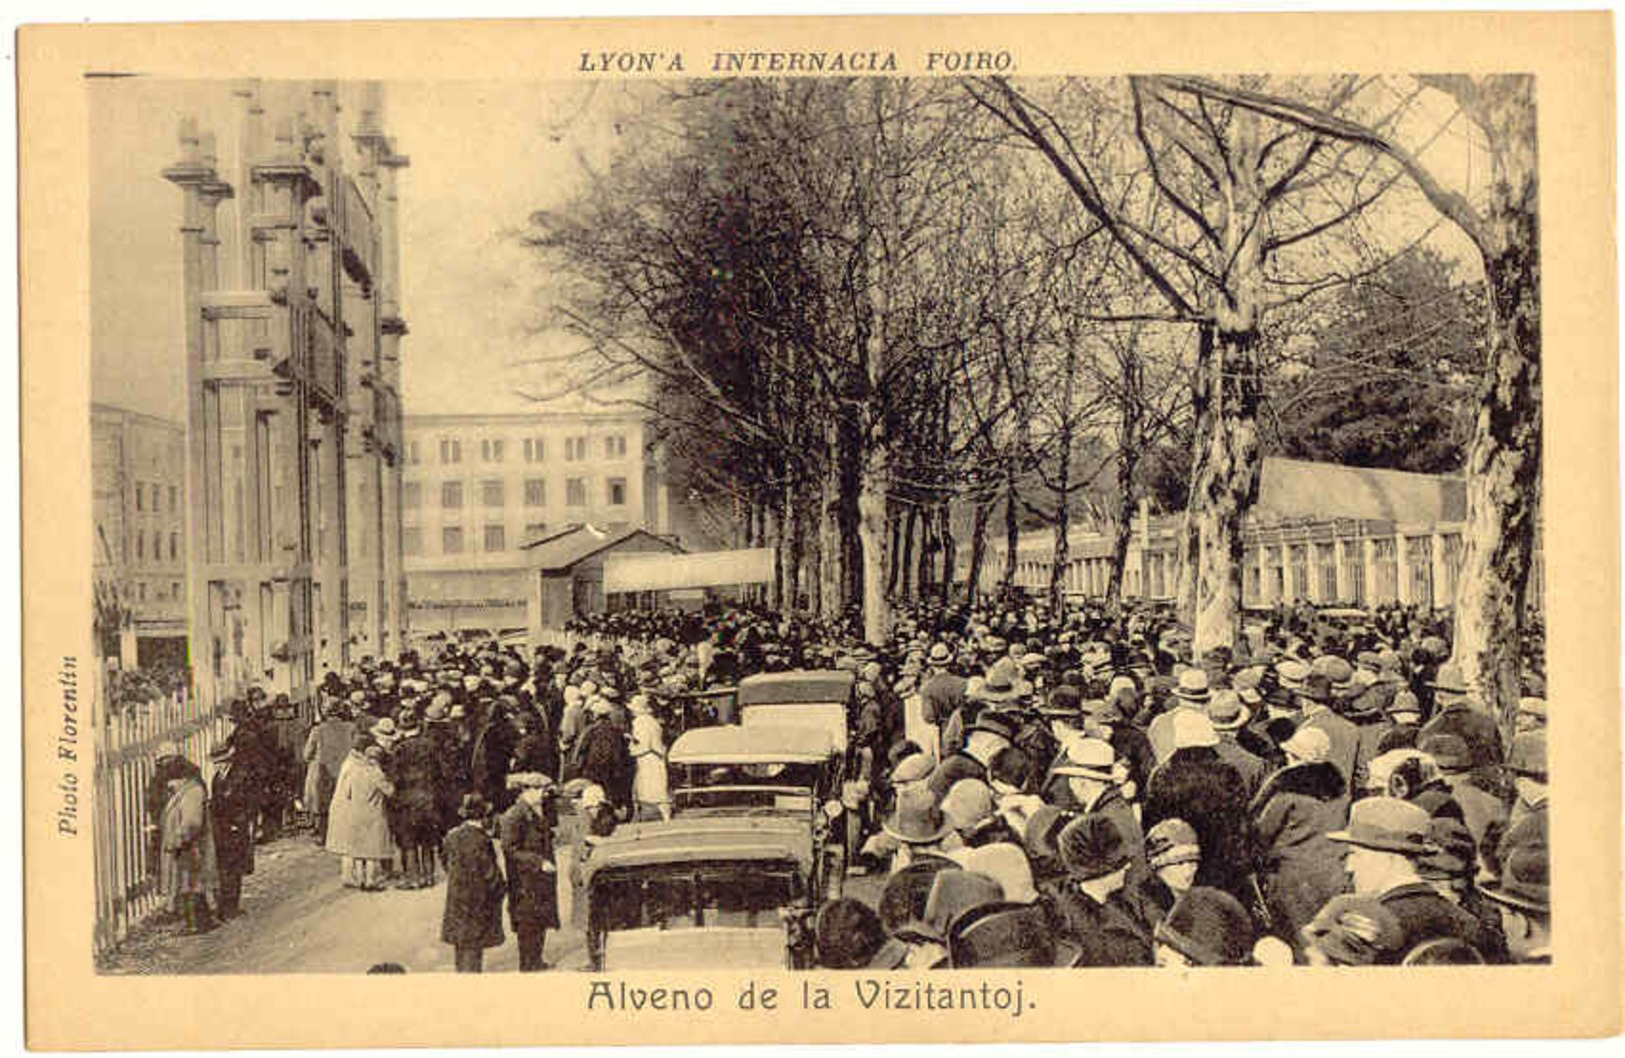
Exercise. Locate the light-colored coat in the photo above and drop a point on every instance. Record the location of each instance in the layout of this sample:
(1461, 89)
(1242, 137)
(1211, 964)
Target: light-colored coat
(188, 865)
(358, 823)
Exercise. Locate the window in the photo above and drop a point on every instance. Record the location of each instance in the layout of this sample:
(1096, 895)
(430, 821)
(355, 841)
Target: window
(617, 492)
(1419, 559)
(451, 450)
(141, 591)
(535, 492)
(535, 529)
(615, 446)
(1326, 558)
(491, 450)
(140, 546)
(412, 540)
(174, 499)
(140, 496)
(495, 538)
(534, 452)
(412, 455)
(451, 540)
(1299, 556)
(174, 589)
(411, 496)
(575, 492)
(174, 547)
(491, 493)
(451, 495)
(575, 448)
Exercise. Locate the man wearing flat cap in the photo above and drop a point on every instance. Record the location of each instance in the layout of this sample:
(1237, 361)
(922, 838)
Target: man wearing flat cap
(526, 831)
(1386, 839)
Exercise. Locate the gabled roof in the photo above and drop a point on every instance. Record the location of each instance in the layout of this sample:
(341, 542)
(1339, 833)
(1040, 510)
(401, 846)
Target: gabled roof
(558, 552)
(1295, 489)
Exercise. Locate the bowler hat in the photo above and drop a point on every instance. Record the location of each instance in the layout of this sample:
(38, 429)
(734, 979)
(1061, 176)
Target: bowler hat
(1092, 846)
(1525, 881)
(1389, 825)
(917, 819)
(1209, 927)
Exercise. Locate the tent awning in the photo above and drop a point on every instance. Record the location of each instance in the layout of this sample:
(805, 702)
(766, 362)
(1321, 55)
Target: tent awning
(660, 572)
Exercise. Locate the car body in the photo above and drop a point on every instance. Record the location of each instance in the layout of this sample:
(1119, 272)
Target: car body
(720, 889)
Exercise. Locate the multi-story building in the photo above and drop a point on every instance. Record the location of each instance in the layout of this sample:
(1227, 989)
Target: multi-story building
(138, 482)
(477, 488)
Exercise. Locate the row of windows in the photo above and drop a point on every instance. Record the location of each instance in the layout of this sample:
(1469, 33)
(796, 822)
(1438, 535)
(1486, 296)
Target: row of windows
(493, 538)
(493, 449)
(149, 497)
(157, 546)
(494, 493)
(160, 592)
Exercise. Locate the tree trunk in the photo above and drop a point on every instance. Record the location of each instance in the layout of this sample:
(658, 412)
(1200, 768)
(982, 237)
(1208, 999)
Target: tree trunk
(831, 543)
(791, 541)
(1229, 486)
(1128, 457)
(872, 537)
(978, 549)
(905, 562)
(945, 536)
(1062, 555)
(1012, 530)
(923, 586)
(773, 516)
(1503, 464)
(1190, 525)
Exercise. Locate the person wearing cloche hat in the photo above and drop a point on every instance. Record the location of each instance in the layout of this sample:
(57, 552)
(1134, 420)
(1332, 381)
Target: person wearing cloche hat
(1386, 838)
(1175, 855)
(1094, 907)
(1205, 927)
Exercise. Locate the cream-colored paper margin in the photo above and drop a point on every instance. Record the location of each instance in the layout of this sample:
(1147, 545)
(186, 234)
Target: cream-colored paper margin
(69, 1006)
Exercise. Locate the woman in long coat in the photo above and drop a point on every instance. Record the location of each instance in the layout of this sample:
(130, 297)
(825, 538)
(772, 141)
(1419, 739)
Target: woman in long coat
(650, 794)
(188, 872)
(358, 821)
(472, 920)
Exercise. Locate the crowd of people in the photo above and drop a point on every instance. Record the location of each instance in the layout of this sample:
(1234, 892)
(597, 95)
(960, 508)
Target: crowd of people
(1067, 788)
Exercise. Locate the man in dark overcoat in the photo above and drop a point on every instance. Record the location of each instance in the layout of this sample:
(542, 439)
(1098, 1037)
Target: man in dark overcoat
(527, 849)
(472, 920)
(231, 814)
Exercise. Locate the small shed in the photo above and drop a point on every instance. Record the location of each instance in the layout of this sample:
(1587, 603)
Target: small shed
(567, 570)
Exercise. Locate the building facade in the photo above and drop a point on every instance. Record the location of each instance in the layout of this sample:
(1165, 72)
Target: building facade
(292, 328)
(1331, 535)
(478, 488)
(138, 503)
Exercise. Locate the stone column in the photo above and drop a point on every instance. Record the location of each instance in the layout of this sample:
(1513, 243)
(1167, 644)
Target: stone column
(1443, 596)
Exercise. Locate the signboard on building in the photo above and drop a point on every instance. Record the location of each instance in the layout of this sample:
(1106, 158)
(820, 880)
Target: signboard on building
(708, 569)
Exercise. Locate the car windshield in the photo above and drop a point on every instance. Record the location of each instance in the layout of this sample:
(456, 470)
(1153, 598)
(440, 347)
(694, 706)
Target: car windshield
(776, 786)
(746, 895)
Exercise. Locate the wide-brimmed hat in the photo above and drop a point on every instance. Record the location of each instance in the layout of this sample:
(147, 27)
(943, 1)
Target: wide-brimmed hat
(915, 767)
(1171, 842)
(940, 654)
(1525, 881)
(955, 892)
(1209, 927)
(1002, 683)
(1389, 825)
(917, 818)
(1527, 755)
(1091, 758)
(995, 723)
(1092, 846)
(902, 900)
(1291, 674)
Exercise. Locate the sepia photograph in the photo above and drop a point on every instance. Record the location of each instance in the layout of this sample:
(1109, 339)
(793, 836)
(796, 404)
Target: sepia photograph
(709, 506)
